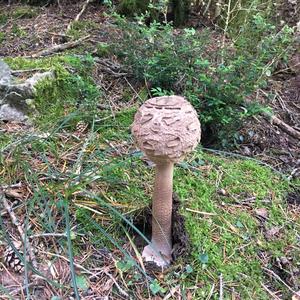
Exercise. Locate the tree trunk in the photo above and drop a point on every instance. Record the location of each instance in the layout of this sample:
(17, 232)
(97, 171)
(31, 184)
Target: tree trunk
(180, 10)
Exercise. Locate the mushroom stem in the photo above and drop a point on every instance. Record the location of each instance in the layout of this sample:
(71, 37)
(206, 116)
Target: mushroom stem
(162, 208)
(161, 216)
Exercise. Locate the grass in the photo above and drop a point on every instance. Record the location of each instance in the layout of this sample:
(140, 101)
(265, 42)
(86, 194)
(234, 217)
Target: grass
(220, 197)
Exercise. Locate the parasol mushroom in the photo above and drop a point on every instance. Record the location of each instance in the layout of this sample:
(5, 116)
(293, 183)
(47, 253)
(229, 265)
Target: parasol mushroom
(166, 129)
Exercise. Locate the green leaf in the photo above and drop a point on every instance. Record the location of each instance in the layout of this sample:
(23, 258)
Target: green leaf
(82, 282)
(238, 224)
(189, 269)
(73, 235)
(203, 258)
(155, 287)
(125, 265)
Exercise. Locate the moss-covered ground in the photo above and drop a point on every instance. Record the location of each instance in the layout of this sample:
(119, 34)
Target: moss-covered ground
(91, 183)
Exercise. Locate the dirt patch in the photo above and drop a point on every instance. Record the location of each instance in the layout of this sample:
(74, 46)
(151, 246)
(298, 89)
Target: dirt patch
(293, 197)
(26, 36)
(266, 141)
(180, 238)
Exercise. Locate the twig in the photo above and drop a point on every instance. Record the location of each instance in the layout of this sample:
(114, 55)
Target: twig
(221, 287)
(207, 7)
(232, 154)
(48, 234)
(226, 28)
(285, 127)
(79, 14)
(211, 292)
(60, 47)
(116, 284)
(270, 292)
(66, 259)
(15, 221)
(133, 89)
(17, 72)
(172, 292)
(79, 161)
(10, 186)
(277, 277)
(201, 212)
(113, 68)
(22, 288)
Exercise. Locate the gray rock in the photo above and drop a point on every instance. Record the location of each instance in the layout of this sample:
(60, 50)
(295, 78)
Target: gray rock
(14, 96)
(9, 113)
(5, 73)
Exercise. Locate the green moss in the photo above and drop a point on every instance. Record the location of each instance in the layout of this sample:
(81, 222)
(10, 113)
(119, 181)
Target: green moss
(3, 18)
(116, 127)
(232, 237)
(103, 49)
(25, 12)
(69, 93)
(81, 28)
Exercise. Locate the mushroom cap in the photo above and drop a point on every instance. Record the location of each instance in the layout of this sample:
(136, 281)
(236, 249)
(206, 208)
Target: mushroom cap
(166, 128)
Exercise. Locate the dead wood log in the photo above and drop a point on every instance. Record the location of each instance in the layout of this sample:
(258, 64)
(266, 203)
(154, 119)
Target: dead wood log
(282, 125)
(112, 68)
(60, 47)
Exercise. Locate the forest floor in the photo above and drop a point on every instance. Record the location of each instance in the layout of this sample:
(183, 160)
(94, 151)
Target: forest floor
(77, 189)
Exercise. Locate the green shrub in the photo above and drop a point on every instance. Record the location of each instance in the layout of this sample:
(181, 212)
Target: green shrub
(217, 81)
(132, 7)
(2, 37)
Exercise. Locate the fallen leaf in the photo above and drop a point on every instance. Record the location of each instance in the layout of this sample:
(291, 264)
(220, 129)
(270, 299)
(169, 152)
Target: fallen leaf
(271, 233)
(261, 212)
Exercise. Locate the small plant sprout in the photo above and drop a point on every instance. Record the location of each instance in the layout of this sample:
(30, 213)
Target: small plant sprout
(166, 129)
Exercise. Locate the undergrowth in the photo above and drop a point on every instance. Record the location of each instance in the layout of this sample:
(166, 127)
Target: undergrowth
(218, 75)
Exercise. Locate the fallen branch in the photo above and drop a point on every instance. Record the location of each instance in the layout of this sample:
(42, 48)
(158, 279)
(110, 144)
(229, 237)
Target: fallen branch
(60, 47)
(112, 68)
(80, 13)
(274, 296)
(278, 278)
(116, 283)
(282, 125)
(19, 72)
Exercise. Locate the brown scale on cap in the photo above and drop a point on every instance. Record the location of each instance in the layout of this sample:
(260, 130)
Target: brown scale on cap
(166, 129)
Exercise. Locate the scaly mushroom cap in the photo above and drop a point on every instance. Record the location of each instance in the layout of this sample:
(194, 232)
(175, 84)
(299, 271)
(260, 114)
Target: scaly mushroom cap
(166, 128)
